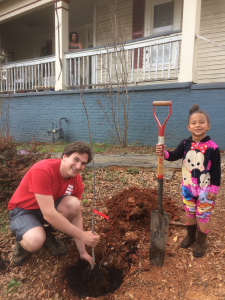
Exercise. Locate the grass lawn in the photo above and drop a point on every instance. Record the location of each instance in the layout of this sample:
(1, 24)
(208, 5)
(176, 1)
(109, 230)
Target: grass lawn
(99, 148)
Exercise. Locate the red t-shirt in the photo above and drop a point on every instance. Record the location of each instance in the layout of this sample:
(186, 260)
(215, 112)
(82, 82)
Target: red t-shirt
(44, 178)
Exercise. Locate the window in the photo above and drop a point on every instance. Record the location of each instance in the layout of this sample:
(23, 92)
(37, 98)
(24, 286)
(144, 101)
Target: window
(138, 27)
(162, 16)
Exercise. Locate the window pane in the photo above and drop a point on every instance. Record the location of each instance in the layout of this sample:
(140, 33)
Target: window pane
(163, 15)
(160, 53)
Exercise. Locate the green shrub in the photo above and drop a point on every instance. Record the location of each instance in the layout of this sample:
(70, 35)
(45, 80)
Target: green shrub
(133, 171)
(13, 285)
(14, 164)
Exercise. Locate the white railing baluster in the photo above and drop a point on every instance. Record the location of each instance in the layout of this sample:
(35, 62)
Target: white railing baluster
(21, 78)
(12, 79)
(163, 58)
(116, 77)
(169, 64)
(35, 76)
(32, 77)
(69, 72)
(138, 60)
(101, 68)
(176, 58)
(178, 51)
(83, 71)
(144, 62)
(79, 71)
(28, 67)
(25, 77)
(96, 77)
(38, 77)
(127, 65)
(157, 59)
(52, 75)
(150, 61)
(6, 79)
(42, 77)
(1, 73)
(132, 67)
(111, 62)
(87, 70)
(48, 81)
(75, 77)
(16, 79)
(45, 75)
(106, 66)
(121, 65)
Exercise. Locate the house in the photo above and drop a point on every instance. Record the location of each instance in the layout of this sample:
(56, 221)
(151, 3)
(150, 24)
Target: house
(172, 47)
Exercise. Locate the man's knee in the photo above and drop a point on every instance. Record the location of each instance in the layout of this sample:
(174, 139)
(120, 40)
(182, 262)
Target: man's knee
(33, 239)
(69, 206)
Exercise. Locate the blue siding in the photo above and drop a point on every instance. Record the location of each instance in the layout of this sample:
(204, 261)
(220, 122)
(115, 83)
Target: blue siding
(31, 114)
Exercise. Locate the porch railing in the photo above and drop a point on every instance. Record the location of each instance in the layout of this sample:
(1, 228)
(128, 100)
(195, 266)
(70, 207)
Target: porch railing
(153, 58)
(35, 74)
(144, 60)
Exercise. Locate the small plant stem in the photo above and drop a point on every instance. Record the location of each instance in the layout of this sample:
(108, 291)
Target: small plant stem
(93, 215)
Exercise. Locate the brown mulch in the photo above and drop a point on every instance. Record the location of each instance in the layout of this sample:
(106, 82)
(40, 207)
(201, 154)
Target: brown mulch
(125, 246)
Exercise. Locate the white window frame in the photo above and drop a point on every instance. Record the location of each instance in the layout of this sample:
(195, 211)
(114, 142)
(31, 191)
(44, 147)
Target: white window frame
(149, 20)
(149, 14)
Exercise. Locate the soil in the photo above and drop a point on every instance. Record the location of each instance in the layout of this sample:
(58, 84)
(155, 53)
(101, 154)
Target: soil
(127, 199)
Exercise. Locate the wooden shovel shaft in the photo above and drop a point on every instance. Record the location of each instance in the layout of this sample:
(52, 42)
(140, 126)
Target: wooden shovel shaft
(160, 175)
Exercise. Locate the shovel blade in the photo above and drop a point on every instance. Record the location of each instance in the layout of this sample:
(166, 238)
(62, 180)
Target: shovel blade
(158, 235)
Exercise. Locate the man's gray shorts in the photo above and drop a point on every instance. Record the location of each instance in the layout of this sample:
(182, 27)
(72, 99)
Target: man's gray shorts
(22, 220)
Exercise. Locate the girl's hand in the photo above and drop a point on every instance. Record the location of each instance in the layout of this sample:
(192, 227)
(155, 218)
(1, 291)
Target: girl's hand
(211, 196)
(160, 149)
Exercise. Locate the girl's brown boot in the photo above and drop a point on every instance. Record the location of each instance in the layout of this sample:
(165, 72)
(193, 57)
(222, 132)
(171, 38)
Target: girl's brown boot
(201, 245)
(191, 236)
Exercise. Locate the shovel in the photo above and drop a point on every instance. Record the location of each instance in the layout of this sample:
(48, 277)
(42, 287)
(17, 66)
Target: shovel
(159, 219)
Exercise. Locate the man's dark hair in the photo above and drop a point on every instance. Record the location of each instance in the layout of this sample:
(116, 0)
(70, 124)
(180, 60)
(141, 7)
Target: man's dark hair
(78, 147)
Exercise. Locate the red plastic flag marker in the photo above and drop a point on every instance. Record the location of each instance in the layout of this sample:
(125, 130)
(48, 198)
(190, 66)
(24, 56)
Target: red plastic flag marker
(100, 214)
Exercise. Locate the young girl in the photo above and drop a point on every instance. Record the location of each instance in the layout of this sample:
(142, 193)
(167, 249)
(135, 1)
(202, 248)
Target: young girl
(201, 177)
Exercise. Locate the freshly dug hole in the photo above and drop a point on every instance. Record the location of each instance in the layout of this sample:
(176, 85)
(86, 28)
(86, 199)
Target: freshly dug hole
(85, 282)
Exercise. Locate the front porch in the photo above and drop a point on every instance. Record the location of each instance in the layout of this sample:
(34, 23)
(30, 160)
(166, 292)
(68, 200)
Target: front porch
(136, 62)
(143, 54)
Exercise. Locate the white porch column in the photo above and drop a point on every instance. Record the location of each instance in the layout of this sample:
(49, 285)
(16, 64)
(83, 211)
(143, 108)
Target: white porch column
(61, 41)
(189, 45)
(0, 46)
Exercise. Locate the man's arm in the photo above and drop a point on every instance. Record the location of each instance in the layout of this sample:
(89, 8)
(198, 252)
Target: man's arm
(58, 221)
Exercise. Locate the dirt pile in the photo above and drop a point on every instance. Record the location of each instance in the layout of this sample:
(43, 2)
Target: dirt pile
(129, 215)
(130, 210)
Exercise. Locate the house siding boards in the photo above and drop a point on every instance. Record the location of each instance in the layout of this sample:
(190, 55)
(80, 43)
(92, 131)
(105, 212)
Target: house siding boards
(123, 12)
(211, 58)
(29, 49)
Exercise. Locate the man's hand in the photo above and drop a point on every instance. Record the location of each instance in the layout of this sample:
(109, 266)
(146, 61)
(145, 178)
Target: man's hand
(86, 256)
(211, 196)
(90, 239)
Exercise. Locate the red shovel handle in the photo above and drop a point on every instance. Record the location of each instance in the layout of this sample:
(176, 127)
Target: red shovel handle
(162, 103)
(161, 133)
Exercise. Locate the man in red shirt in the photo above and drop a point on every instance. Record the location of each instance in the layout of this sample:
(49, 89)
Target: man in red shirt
(50, 193)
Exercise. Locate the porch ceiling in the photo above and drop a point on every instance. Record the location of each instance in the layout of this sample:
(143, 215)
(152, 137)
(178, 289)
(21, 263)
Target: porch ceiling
(41, 22)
